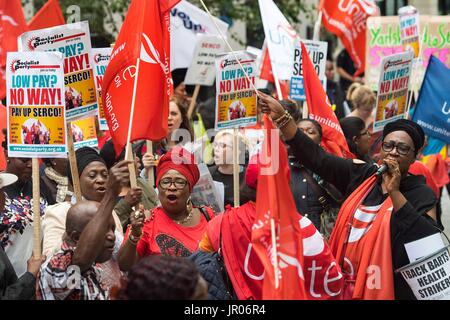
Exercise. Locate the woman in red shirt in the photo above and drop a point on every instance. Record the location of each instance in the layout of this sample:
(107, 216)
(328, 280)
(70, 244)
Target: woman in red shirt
(175, 227)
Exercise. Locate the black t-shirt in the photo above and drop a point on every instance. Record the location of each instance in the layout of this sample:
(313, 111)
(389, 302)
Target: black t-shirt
(408, 224)
(345, 62)
(227, 180)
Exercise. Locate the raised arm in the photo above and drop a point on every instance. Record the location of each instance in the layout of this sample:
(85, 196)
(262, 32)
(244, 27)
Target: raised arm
(93, 236)
(335, 170)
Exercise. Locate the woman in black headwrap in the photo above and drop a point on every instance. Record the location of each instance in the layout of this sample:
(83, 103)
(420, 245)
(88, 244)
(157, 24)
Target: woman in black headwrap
(394, 203)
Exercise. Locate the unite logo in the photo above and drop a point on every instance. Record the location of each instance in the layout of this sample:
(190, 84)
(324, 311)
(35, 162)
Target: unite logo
(362, 222)
(283, 35)
(153, 56)
(187, 22)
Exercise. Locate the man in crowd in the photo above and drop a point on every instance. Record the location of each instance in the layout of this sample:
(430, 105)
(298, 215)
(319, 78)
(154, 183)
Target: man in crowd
(71, 274)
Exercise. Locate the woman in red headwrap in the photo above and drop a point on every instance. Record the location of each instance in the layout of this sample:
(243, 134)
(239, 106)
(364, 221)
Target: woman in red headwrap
(175, 227)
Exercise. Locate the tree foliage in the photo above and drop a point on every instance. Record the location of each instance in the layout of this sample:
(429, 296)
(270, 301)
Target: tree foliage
(100, 12)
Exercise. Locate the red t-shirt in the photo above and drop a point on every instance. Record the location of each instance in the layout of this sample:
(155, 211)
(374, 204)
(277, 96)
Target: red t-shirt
(161, 235)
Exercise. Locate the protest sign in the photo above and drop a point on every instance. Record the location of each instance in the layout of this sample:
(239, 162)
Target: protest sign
(409, 29)
(35, 106)
(202, 71)
(205, 193)
(383, 39)
(432, 110)
(393, 89)
(74, 42)
(235, 97)
(186, 21)
(84, 133)
(101, 57)
(317, 51)
(429, 277)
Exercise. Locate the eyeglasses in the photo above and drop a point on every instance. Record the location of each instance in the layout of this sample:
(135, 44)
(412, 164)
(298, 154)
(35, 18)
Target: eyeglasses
(402, 149)
(222, 145)
(179, 183)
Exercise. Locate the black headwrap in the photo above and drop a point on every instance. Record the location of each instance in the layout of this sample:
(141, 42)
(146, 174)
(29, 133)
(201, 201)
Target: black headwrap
(411, 128)
(84, 156)
(178, 76)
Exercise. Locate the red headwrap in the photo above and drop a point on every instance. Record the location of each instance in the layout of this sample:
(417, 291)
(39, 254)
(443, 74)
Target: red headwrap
(181, 160)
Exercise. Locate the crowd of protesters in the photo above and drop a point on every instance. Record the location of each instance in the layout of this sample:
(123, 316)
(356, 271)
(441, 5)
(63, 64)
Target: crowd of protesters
(152, 242)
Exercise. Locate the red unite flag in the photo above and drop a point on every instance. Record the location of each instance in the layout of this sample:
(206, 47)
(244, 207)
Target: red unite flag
(50, 15)
(145, 35)
(319, 108)
(347, 19)
(275, 202)
(12, 25)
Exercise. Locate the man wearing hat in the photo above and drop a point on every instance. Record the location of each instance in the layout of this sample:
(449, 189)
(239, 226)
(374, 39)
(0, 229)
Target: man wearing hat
(385, 208)
(11, 287)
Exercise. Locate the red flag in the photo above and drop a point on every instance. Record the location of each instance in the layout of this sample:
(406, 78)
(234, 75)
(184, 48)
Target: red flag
(13, 24)
(50, 15)
(319, 108)
(347, 20)
(145, 35)
(2, 83)
(275, 203)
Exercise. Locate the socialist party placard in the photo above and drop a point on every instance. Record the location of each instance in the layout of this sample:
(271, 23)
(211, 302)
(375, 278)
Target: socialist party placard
(100, 57)
(84, 133)
(235, 97)
(35, 105)
(317, 51)
(74, 42)
(393, 89)
(409, 29)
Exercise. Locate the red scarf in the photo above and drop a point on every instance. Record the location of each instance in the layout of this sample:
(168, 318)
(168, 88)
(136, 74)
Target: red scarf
(369, 244)
(322, 275)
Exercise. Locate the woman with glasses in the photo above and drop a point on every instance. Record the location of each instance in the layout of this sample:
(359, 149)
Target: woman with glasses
(357, 136)
(222, 170)
(175, 227)
(383, 210)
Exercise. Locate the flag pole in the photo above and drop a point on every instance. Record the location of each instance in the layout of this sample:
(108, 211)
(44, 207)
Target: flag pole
(316, 36)
(193, 101)
(150, 173)
(73, 164)
(229, 47)
(37, 249)
(128, 150)
(275, 252)
(236, 167)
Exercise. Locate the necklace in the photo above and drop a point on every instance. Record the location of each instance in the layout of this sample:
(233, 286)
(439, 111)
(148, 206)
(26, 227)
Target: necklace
(188, 217)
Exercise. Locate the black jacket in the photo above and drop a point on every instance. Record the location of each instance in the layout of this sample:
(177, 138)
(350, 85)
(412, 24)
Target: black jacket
(408, 224)
(11, 287)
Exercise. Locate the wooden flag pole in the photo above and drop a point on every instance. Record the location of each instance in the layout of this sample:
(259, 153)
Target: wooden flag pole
(236, 167)
(128, 150)
(409, 104)
(305, 110)
(150, 172)
(193, 101)
(316, 36)
(37, 249)
(131, 167)
(275, 251)
(73, 164)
